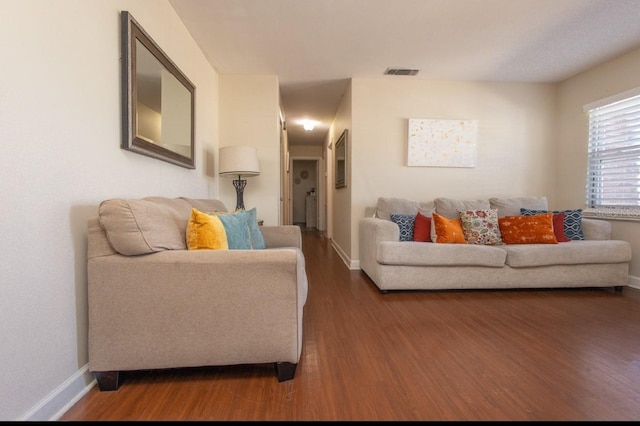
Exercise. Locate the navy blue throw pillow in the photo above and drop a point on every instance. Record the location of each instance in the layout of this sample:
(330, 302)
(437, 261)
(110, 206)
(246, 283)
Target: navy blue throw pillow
(405, 222)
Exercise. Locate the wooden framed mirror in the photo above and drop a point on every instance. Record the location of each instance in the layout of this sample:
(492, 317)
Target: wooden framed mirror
(340, 161)
(158, 100)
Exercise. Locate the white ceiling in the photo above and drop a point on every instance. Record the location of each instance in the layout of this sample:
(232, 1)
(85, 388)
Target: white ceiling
(316, 46)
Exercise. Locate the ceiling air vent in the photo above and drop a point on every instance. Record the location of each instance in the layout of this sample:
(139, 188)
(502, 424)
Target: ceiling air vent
(400, 71)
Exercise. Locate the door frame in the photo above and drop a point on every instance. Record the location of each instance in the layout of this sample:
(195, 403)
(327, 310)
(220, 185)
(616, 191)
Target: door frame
(321, 189)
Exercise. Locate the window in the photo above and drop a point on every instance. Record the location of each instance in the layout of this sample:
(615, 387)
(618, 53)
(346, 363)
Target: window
(613, 172)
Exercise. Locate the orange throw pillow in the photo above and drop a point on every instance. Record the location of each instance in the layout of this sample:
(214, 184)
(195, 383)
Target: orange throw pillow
(536, 229)
(448, 230)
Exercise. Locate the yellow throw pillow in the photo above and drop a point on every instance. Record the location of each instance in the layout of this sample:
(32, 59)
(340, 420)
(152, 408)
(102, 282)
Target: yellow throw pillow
(448, 230)
(206, 232)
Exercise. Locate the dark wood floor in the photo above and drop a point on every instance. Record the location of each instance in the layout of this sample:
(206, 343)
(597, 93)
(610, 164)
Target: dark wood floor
(570, 354)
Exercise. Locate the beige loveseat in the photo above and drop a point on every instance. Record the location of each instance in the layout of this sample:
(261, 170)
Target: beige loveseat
(154, 304)
(596, 261)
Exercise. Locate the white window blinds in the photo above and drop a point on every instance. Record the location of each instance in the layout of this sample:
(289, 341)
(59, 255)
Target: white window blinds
(613, 174)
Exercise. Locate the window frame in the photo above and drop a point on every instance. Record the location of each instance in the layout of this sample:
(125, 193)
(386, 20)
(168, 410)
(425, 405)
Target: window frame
(615, 150)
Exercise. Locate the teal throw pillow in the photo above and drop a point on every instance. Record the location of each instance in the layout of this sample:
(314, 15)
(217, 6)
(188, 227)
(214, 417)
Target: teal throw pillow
(572, 221)
(237, 229)
(257, 239)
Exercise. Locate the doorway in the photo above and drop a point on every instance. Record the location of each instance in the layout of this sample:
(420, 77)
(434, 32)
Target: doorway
(304, 193)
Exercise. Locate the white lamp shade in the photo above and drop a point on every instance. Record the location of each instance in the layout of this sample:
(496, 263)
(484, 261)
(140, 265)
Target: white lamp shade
(238, 161)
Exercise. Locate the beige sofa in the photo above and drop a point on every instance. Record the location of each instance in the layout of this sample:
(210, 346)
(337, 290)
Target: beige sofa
(154, 304)
(596, 261)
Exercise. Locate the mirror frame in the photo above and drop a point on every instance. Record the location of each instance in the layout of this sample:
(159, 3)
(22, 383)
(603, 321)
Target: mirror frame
(131, 140)
(340, 167)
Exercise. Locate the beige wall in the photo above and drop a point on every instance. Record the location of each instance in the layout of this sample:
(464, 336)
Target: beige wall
(250, 115)
(515, 151)
(611, 78)
(61, 156)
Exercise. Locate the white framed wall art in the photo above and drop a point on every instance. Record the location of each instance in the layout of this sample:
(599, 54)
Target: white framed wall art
(442, 143)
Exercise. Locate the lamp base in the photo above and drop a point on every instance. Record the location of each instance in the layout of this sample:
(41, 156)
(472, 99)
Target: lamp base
(239, 184)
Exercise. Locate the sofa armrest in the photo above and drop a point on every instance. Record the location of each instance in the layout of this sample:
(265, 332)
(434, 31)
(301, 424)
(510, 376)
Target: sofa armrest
(282, 236)
(596, 229)
(372, 231)
(377, 229)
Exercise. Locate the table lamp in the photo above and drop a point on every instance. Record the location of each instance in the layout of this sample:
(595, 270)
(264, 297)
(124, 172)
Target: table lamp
(239, 161)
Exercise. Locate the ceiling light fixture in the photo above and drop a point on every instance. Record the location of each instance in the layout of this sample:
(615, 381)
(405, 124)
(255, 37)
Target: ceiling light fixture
(308, 125)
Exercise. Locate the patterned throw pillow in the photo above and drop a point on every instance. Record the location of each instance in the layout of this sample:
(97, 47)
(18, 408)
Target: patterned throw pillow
(422, 228)
(536, 229)
(480, 226)
(405, 223)
(448, 230)
(572, 221)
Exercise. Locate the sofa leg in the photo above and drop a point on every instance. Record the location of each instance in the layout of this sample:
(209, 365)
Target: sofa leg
(107, 380)
(285, 371)
(618, 288)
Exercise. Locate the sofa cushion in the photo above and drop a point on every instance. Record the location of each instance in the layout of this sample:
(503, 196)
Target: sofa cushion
(206, 232)
(571, 253)
(206, 205)
(572, 221)
(511, 206)
(449, 207)
(143, 226)
(537, 229)
(405, 223)
(448, 231)
(480, 226)
(420, 254)
(388, 205)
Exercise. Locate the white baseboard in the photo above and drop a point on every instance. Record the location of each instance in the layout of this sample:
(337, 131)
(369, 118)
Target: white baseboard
(351, 264)
(340, 252)
(58, 402)
(634, 282)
